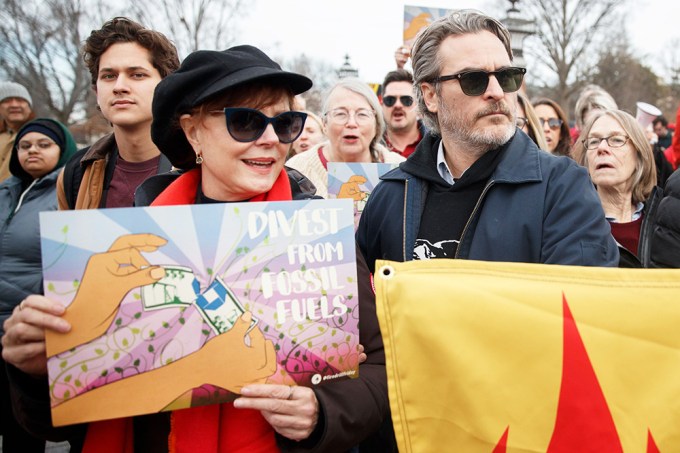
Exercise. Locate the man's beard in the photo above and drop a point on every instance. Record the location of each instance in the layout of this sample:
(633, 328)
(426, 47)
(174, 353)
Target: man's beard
(455, 124)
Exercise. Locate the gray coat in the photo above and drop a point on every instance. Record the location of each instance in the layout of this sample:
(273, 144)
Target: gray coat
(20, 260)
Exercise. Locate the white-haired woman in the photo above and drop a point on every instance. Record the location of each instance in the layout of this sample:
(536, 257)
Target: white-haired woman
(354, 125)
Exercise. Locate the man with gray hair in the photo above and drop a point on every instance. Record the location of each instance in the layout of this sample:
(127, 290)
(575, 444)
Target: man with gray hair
(477, 187)
(15, 111)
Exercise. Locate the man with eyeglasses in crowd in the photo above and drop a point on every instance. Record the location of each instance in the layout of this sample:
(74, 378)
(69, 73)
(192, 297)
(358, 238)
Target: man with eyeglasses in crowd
(403, 129)
(476, 187)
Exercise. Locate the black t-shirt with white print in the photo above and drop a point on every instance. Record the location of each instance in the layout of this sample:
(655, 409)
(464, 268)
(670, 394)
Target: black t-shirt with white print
(448, 208)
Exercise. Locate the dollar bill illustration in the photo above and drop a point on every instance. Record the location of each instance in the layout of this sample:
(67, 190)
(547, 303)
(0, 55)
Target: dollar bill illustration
(179, 287)
(220, 307)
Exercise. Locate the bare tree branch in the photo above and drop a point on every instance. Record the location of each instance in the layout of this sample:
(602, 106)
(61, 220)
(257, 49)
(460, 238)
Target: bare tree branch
(192, 24)
(570, 33)
(41, 50)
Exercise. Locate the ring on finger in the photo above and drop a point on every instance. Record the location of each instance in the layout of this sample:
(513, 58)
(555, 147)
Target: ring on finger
(21, 305)
(290, 395)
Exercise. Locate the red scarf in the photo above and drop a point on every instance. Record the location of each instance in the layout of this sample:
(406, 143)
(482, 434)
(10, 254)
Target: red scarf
(217, 428)
(183, 190)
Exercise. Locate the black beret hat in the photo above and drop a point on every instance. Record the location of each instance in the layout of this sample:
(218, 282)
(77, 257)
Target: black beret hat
(202, 75)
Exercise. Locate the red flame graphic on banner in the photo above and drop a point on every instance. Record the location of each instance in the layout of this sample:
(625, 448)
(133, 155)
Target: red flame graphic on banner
(502, 445)
(651, 445)
(584, 422)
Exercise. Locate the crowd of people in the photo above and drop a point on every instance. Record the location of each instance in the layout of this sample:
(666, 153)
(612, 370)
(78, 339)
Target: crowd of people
(483, 173)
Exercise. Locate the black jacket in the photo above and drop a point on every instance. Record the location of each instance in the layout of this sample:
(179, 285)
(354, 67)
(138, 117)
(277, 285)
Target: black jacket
(649, 222)
(665, 232)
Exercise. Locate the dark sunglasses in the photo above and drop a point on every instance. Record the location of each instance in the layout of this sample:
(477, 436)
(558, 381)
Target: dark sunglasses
(406, 101)
(553, 123)
(475, 83)
(247, 125)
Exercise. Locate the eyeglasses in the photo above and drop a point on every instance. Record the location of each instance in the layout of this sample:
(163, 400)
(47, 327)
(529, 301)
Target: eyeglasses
(521, 122)
(553, 123)
(475, 83)
(406, 101)
(247, 125)
(615, 141)
(41, 145)
(341, 116)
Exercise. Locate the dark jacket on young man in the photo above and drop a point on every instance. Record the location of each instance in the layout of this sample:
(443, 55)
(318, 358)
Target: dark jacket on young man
(534, 208)
(86, 177)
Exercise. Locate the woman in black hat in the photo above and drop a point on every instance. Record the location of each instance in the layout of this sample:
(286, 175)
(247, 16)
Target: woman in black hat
(226, 117)
(40, 149)
(225, 120)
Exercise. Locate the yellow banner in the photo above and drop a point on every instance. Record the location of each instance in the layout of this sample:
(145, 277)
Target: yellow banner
(507, 357)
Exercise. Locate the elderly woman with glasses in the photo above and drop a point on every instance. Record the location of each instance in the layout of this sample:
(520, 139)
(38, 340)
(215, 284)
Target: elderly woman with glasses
(614, 149)
(555, 126)
(354, 126)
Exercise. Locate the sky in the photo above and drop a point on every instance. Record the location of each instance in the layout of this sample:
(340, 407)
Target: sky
(370, 30)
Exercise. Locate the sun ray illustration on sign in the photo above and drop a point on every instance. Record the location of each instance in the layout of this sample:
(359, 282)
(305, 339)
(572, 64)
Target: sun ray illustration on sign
(584, 422)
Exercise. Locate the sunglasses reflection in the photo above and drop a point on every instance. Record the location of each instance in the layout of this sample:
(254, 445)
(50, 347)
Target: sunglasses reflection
(247, 125)
(553, 123)
(390, 101)
(475, 83)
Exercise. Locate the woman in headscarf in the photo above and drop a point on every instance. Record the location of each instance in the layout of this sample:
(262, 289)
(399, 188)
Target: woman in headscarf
(40, 149)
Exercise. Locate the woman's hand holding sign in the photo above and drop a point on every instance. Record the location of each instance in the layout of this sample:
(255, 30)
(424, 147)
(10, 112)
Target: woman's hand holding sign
(108, 277)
